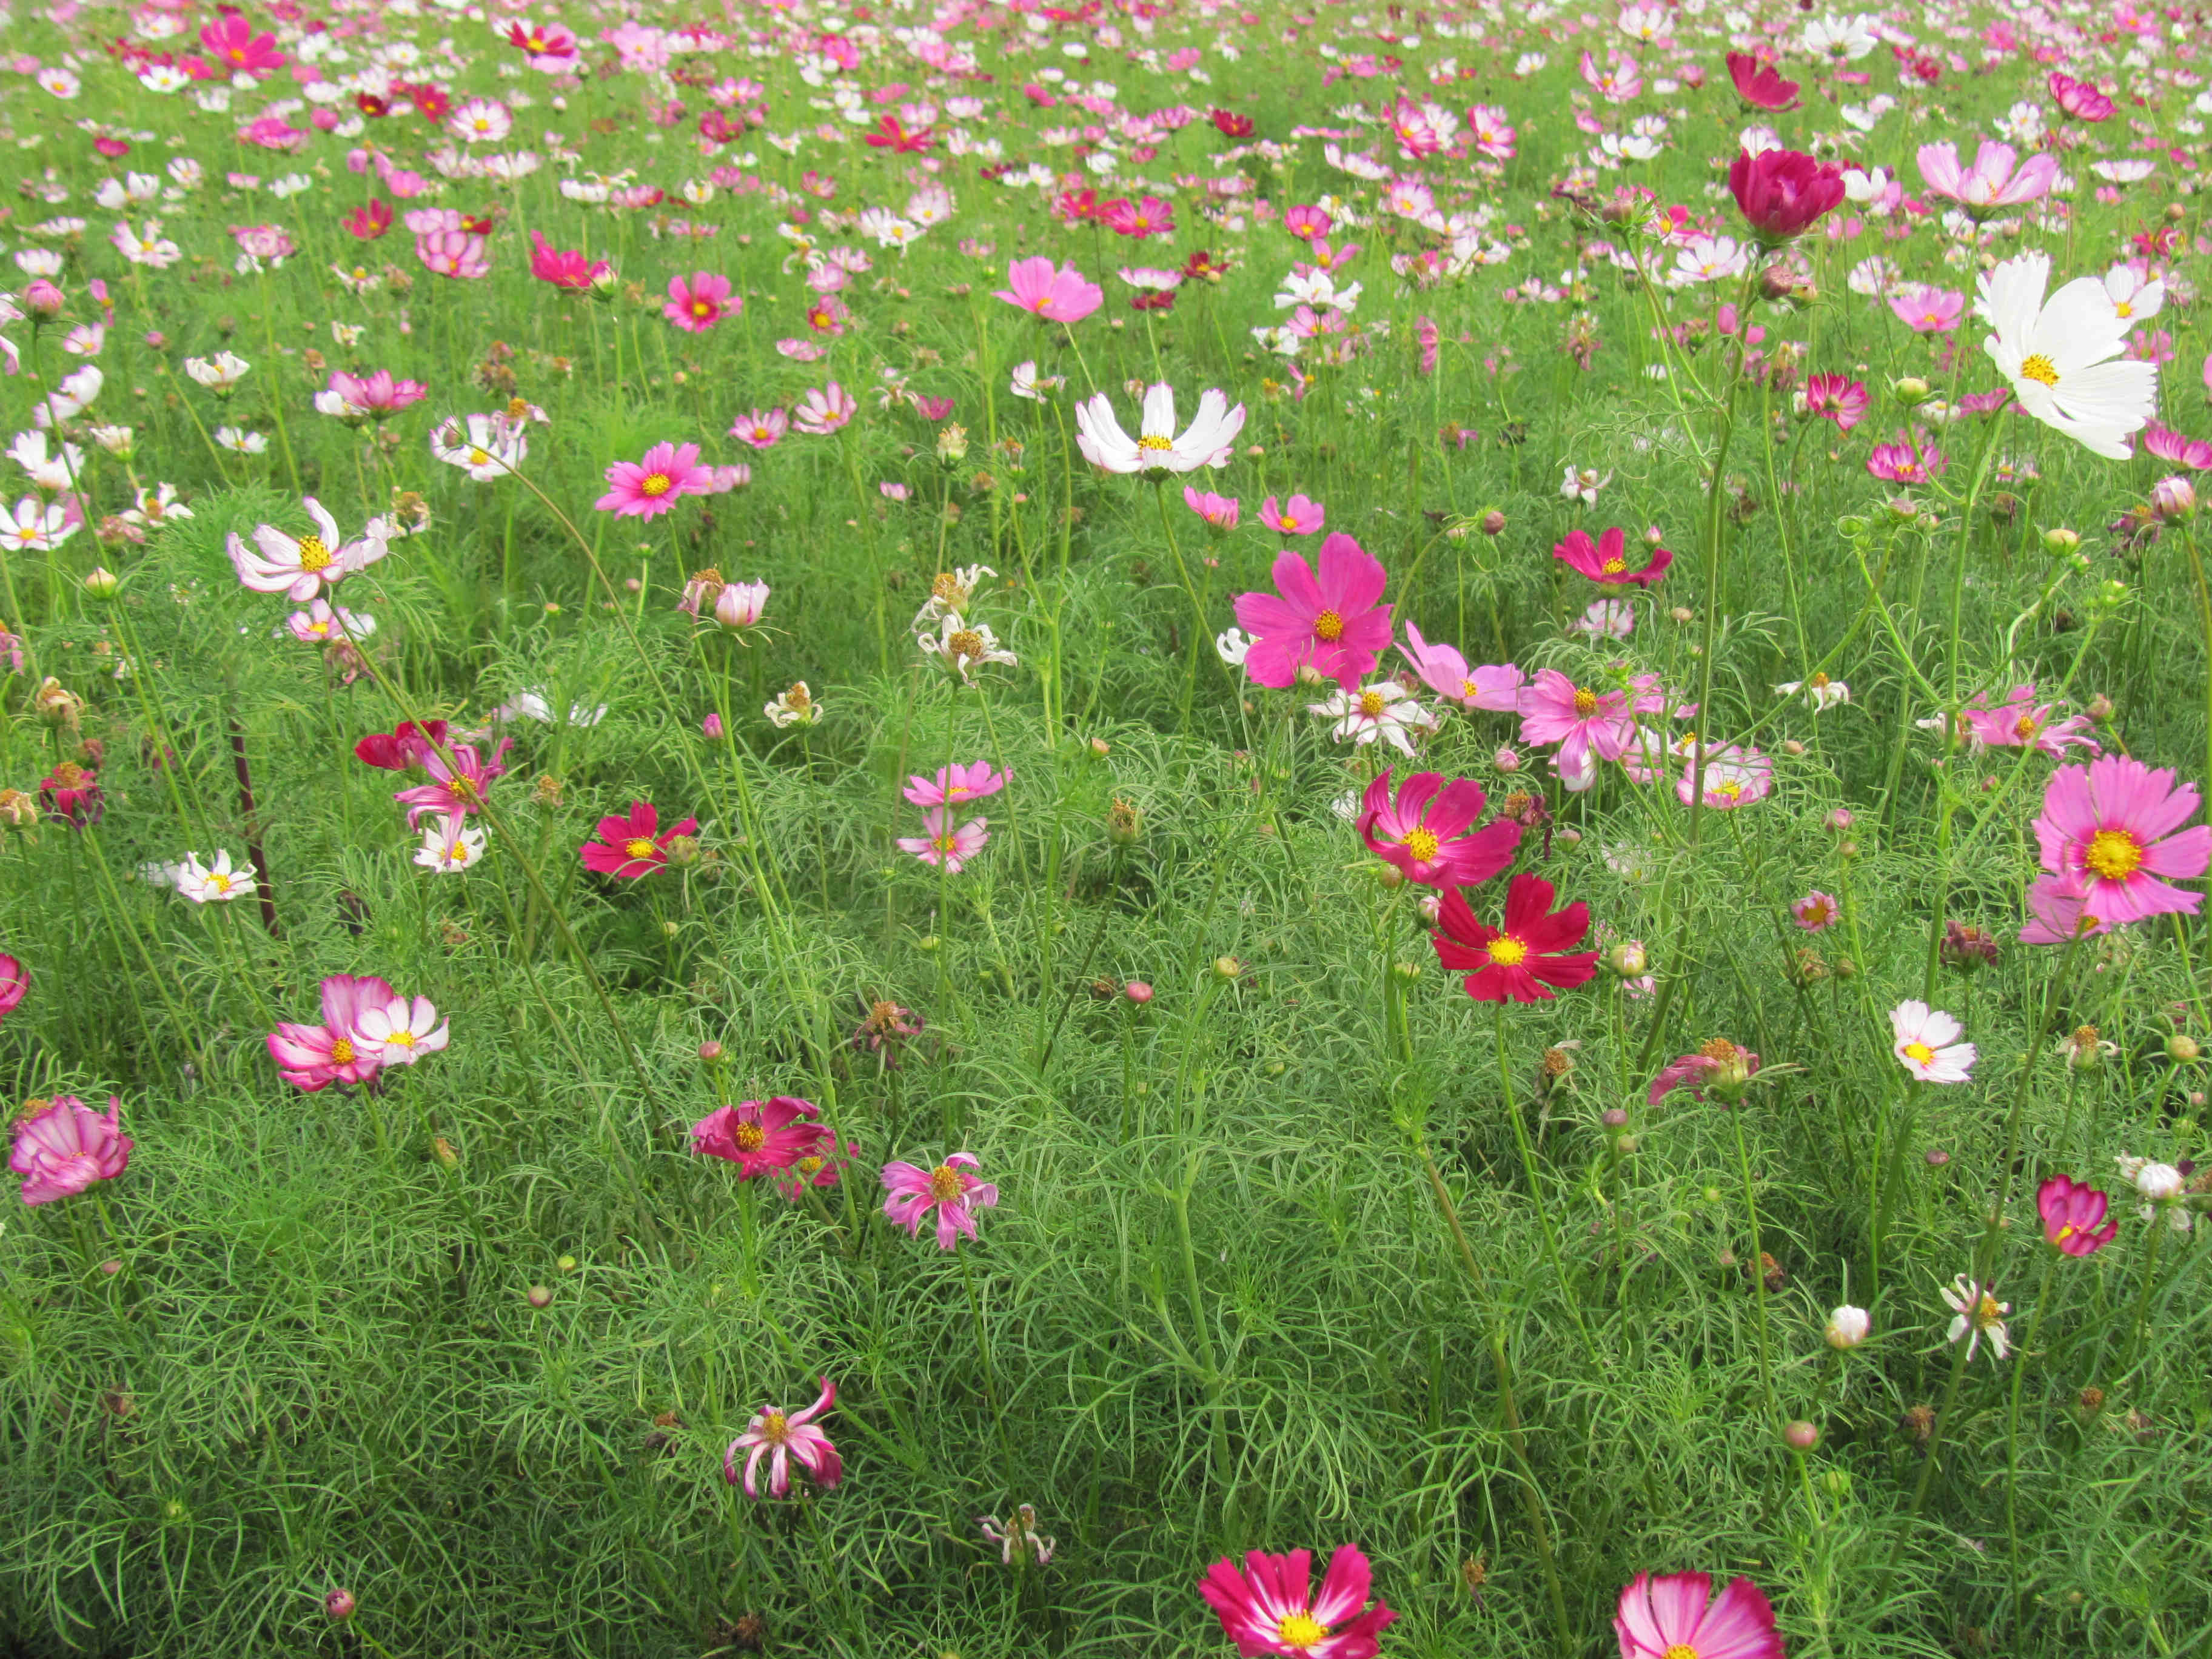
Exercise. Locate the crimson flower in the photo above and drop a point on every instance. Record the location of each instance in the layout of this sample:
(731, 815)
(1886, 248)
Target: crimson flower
(1535, 945)
(402, 750)
(1270, 1607)
(630, 847)
(1231, 125)
(759, 1136)
(565, 268)
(1425, 832)
(1605, 560)
(369, 222)
(1760, 84)
(1782, 194)
(2070, 1212)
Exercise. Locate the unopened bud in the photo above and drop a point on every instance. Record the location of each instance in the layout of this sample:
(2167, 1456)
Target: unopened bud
(1848, 1327)
(339, 1604)
(2099, 707)
(1628, 959)
(1507, 759)
(1100, 748)
(538, 1296)
(2061, 540)
(1227, 968)
(710, 1051)
(1682, 613)
(1138, 992)
(1124, 825)
(443, 1150)
(2174, 499)
(43, 300)
(2181, 1049)
(1493, 522)
(1800, 1436)
(1911, 390)
(102, 583)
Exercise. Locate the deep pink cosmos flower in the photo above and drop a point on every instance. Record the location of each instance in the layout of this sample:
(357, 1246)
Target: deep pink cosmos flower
(1817, 912)
(2114, 826)
(633, 846)
(2071, 1212)
(699, 301)
(1513, 964)
(1057, 293)
(1582, 722)
(1837, 397)
(762, 429)
(645, 488)
(956, 784)
(1759, 84)
(1997, 179)
(370, 221)
(237, 49)
(457, 789)
(67, 1146)
(1667, 1616)
(1298, 516)
(71, 794)
(782, 1437)
(1426, 832)
(1719, 1066)
(759, 1136)
(1270, 1607)
(911, 1194)
(1334, 625)
(1783, 193)
(1605, 559)
(14, 984)
(1907, 463)
(2020, 721)
(400, 750)
(1496, 687)
(565, 268)
(2059, 912)
(2168, 445)
(1219, 511)
(313, 1057)
(1147, 216)
(378, 395)
(2079, 99)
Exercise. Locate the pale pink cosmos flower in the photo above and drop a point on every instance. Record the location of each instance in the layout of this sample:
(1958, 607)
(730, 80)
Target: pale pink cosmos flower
(376, 396)
(320, 622)
(956, 784)
(301, 567)
(1219, 511)
(2059, 912)
(762, 429)
(66, 1147)
(781, 1437)
(697, 302)
(823, 409)
(942, 844)
(1058, 294)
(2114, 827)
(400, 1031)
(1719, 1064)
(1926, 309)
(647, 487)
(313, 1057)
(2020, 722)
(1334, 625)
(1580, 721)
(456, 253)
(1817, 912)
(1997, 179)
(1733, 776)
(1926, 1044)
(1298, 516)
(1495, 687)
(911, 1194)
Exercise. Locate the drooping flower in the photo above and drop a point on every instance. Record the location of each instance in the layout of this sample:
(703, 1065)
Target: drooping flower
(1997, 179)
(2062, 358)
(71, 794)
(1978, 1314)
(759, 1136)
(313, 1057)
(2113, 828)
(956, 784)
(1719, 1065)
(645, 488)
(911, 1194)
(941, 843)
(1157, 451)
(2071, 1211)
(1533, 949)
(1783, 193)
(633, 846)
(1926, 1044)
(2059, 912)
(403, 749)
(1759, 84)
(1426, 831)
(301, 567)
(2020, 722)
(1270, 1608)
(1606, 560)
(962, 647)
(1334, 624)
(783, 1437)
(697, 302)
(64, 1147)
(1496, 687)
(1058, 294)
(1676, 1616)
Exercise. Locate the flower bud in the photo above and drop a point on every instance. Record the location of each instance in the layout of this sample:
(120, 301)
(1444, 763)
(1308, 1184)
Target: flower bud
(443, 1150)
(1100, 748)
(1800, 1436)
(1911, 390)
(1507, 759)
(1614, 1118)
(1628, 959)
(539, 1297)
(102, 583)
(43, 300)
(604, 284)
(1227, 968)
(2181, 1049)
(1405, 972)
(566, 1264)
(1493, 522)
(1848, 1327)
(2174, 499)
(710, 1051)
(2061, 540)
(339, 1604)
(683, 850)
(1137, 992)
(1935, 1157)
(1682, 613)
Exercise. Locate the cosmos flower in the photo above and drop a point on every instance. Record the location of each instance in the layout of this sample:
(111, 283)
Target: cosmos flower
(1533, 949)
(1718, 1064)
(1058, 294)
(14, 984)
(1298, 516)
(215, 883)
(1605, 560)
(301, 567)
(1383, 710)
(65, 1146)
(2113, 828)
(1270, 1608)
(1333, 624)
(313, 1057)
(1817, 912)
(697, 302)
(1426, 831)
(2071, 1211)
(2062, 358)
(911, 1194)
(1977, 1314)
(645, 488)
(1997, 179)
(1759, 84)
(1675, 1614)
(633, 846)
(759, 1136)
(941, 843)
(956, 784)
(784, 1437)
(1157, 451)
(1783, 193)
(1926, 1044)
(1444, 671)
(1581, 721)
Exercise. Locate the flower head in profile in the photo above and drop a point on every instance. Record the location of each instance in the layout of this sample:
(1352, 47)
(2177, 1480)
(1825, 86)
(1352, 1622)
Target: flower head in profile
(633, 846)
(1333, 624)
(1496, 687)
(2071, 1212)
(1426, 831)
(14, 983)
(65, 1146)
(565, 268)
(1270, 1607)
(2079, 99)
(795, 707)
(783, 1439)
(1158, 450)
(1978, 1313)
(1056, 294)
(301, 567)
(1783, 193)
(1719, 1066)
(1837, 397)
(1733, 776)
(1533, 949)
(1219, 511)
(2063, 357)
(911, 1194)
(647, 487)
(1997, 179)
(1671, 1615)
(1759, 84)
(760, 1136)
(313, 1057)
(1606, 560)
(1926, 1044)
(956, 784)
(2113, 830)
(460, 779)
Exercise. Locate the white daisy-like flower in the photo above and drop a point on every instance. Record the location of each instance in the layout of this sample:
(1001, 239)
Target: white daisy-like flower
(963, 647)
(1819, 690)
(1381, 710)
(1156, 450)
(1978, 1314)
(1026, 382)
(450, 846)
(303, 566)
(1926, 1044)
(1232, 645)
(216, 884)
(220, 373)
(796, 707)
(2061, 357)
(2135, 294)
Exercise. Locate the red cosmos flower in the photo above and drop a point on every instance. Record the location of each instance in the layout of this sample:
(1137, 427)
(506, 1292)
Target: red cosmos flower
(1506, 964)
(369, 222)
(629, 847)
(401, 751)
(1231, 125)
(432, 104)
(891, 134)
(1760, 84)
(2070, 1212)
(760, 1136)
(1202, 264)
(1605, 560)
(1783, 193)
(70, 793)
(371, 106)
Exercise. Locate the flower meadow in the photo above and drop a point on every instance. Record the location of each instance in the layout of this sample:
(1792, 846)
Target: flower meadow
(1131, 829)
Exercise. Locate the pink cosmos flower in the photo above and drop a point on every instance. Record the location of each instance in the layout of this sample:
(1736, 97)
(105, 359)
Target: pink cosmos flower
(1734, 777)
(1605, 560)
(1664, 1617)
(699, 301)
(1719, 1065)
(565, 268)
(230, 40)
(645, 488)
(313, 1057)
(1219, 511)
(376, 395)
(1147, 216)
(1298, 516)
(781, 1437)
(1907, 463)
(2079, 99)
(1443, 670)
(945, 845)
(763, 428)
(455, 254)
(1997, 179)
(2070, 1212)
(823, 409)
(1333, 625)
(633, 846)
(456, 789)
(400, 1030)
(1926, 309)
(1059, 294)
(14, 983)
(956, 784)
(1817, 912)
(1270, 1607)
(1582, 722)
(1837, 397)
(2114, 826)
(301, 567)
(759, 1136)
(911, 1194)
(67, 1146)
(1426, 831)
(2020, 722)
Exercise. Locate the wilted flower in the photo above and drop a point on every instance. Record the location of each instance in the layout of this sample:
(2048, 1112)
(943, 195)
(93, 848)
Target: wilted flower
(1979, 1314)
(781, 1437)
(911, 1194)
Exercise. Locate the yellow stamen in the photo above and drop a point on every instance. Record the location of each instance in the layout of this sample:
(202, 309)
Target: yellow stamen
(1329, 626)
(1371, 704)
(1156, 443)
(2040, 368)
(1422, 844)
(944, 1183)
(2113, 855)
(655, 485)
(341, 1052)
(313, 556)
(1299, 1630)
(1919, 1053)
(1679, 1651)
(640, 848)
(749, 1136)
(1507, 953)
(1585, 704)
(1613, 567)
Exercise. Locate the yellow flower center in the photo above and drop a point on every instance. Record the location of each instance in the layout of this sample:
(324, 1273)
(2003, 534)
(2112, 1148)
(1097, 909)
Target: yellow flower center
(313, 556)
(1613, 567)
(2113, 855)
(808, 1165)
(218, 881)
(2025, 727)
(1585, 704)
(2040, 367)
(1919, 1053)
(401, 1040)
(1329, 626)
(656, 484)
(341, 1052)
(749, 1136)
(640, 848)
(944, 1183)
(2124, 309)
(1506, 952)
(1422, 844)
(1371, 704)
(1300, 1630)
(1156, 443)
(477, 458)
(1679, 1651)
(2064, 1232)
(1986, 1311)
(702, 307)
(1817, 912)
(1732, 789)
(965, 642)
(774, 1428)
(463, 788)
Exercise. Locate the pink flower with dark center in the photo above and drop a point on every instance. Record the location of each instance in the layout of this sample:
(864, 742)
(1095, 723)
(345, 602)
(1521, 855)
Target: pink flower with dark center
(67, 1146)
(911, 1194)
(759, 1136)
(1296, 517)
(1427, 833)
(313, 1057)
(1581, 721)
(1677, 1613)
(1836, 397)
(1334, 625)
(956, 784)
(1056, 294)
(456, 788)
(1443, 670)
(1605, 560)
(645, 488)
(633, 846)
(699, 301)
(1270, 1607)
(943, 844)
(2114, 826)
(783, 1437)
(2071, 1212)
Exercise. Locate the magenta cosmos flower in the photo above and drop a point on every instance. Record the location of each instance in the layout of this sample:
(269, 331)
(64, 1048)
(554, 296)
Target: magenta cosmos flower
(781, 1437)
(697, 302)
(1270, 1607)
(942, 843)
(1760, 84)
(911, 1194)
(1059, 294)
(457, 787)
(1782, 194)
(956, 784)
(313, 1057)
(14, 984)
(647, 487)
(1837, 397)
(2112, 827)
(565, 268)
(2079, 99)
(1554, 710)
(67, 1146)
(1718, 1064)
(2071, 1212)
(1444, 671)
(760, 1136)
(1534, 948)
(1676, 1614)
(1425, 832)
(633, 846)
(1605, 559)
(1334, 625)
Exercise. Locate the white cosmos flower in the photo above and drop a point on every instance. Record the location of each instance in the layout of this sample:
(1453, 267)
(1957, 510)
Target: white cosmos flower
(2060, 355)
(302, 565)
(450, 846)
(1027, 383)
(1381, 710)
(400, 1032)
(1820, 691)
(1927, 1044)
(2135, 294)
(217, 883)
(1233, 645)
(1979, 1314)
(1155, 449)
(963, 647)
